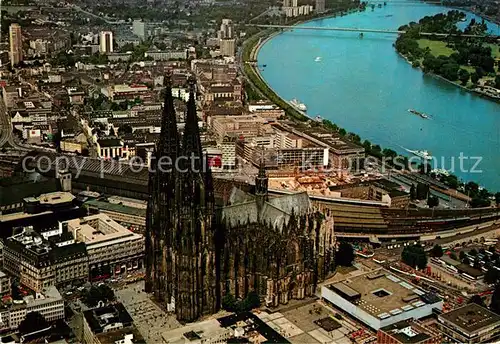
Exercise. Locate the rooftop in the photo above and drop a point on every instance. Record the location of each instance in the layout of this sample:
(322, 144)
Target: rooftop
(41, 251)
(242, 326)
(381, 294)
(469, 270)
(406, 332)
(100, 318)
(110, 142)
(471, 318)
(55, 198)
(119, 208)
(12, 192)
(100, 228)
(49, 294)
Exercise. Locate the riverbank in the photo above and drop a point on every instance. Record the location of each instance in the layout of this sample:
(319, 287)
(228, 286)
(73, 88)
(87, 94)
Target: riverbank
(333, 85)
(474, 91)
(251, 49)
(439, 77)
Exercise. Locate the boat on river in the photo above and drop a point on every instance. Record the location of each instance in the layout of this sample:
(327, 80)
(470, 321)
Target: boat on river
(317, 59)
(418, 113)
(298, 105)
(420, 153)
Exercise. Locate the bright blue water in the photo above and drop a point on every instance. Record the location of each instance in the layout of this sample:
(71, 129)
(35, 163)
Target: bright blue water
(365, 87)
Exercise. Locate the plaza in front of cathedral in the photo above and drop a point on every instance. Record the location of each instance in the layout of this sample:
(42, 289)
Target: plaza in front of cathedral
(300, 321)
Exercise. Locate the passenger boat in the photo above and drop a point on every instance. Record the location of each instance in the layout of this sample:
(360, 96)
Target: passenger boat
(418, 113)
(298, 105)
(420, 153)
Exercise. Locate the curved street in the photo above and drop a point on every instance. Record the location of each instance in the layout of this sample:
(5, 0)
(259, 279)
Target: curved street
(5, 126)
(6, 134)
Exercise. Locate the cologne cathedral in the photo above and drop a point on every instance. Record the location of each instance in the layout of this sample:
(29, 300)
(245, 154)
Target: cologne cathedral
(198, 251)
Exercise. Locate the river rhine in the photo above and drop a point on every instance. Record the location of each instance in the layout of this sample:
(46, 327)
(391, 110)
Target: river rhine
(362, 85)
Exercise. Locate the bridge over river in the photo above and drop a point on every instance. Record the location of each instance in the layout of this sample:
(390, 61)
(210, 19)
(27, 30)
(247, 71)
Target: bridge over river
(363, 30)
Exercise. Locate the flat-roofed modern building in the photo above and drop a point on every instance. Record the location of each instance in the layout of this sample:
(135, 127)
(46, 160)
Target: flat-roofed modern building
(379, 299)
(470, 324)
(112, 248)
(130, 217)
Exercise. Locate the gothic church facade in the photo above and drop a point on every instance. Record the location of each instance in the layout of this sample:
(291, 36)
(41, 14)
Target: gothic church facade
(196, 252)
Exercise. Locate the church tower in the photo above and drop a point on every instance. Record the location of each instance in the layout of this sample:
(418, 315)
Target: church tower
(194, 252)
(162, 205)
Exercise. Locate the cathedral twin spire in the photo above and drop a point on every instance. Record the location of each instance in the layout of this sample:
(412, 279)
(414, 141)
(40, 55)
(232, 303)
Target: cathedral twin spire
(191, 142)
(169, 143)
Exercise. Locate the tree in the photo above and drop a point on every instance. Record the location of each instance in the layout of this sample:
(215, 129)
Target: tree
(34, 321)
(461, 255)
(478, 202)
(125, 129)
(495, 300)
(463, 76)
(453, 256)
(477, 300)
(413, 192)
(345, 254)
(432, 201)
(422, 191)
(436, 251)
(497, 198)
(367, 145)
(96, 294)
(414, 256)
(16, 295)
(491, 276)
(450, 71)
(253, 300)
(497, 81)
(229, 303)
(475, 78)
(473, 252)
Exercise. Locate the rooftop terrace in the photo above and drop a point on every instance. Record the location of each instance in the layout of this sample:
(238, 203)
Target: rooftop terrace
(380, 294)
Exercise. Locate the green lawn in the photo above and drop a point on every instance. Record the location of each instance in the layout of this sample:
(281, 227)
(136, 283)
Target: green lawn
(437, 47)
(495, 52)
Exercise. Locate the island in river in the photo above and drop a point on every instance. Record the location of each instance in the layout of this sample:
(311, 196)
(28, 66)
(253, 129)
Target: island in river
(470, 62)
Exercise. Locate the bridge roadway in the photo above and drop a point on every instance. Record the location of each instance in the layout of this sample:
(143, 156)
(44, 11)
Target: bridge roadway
(353, 29)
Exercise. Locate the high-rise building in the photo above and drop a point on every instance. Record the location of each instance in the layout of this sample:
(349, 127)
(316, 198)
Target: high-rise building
(320, 6)
(226, 29)
(106, 42)
(139, 29)
(227, 46)
(196, 254)
(16, 44)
